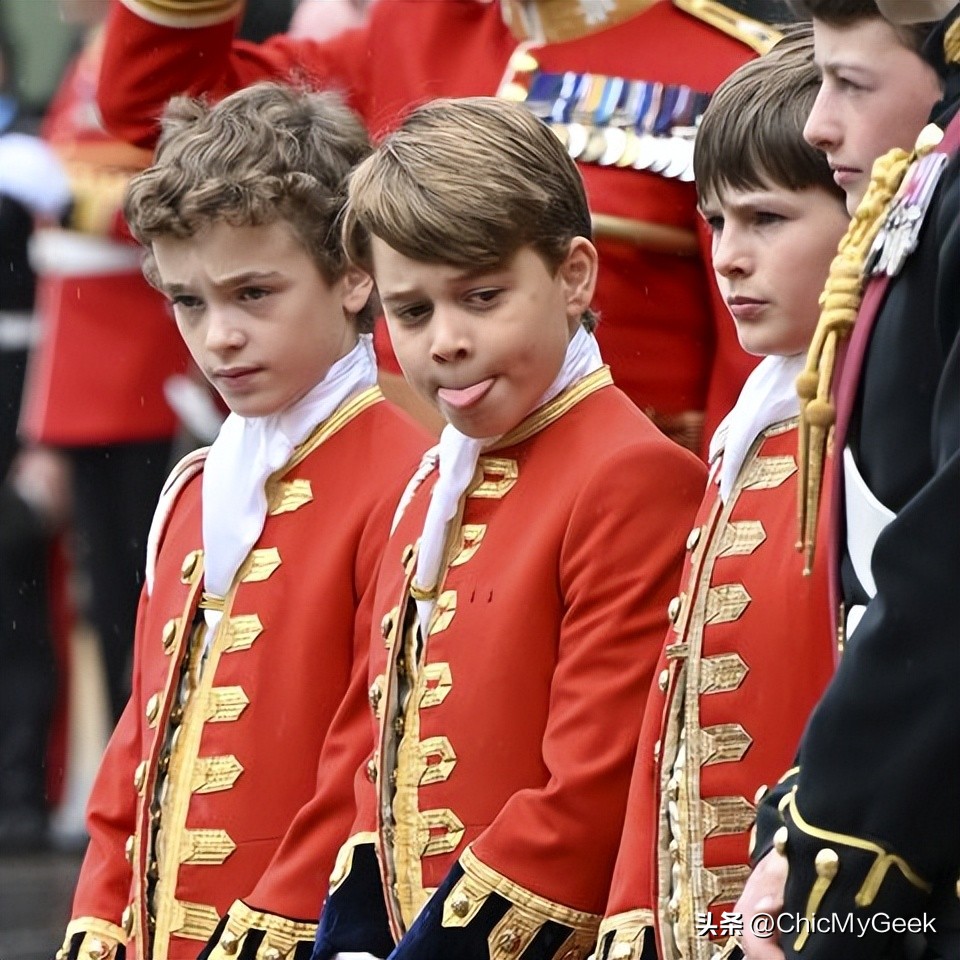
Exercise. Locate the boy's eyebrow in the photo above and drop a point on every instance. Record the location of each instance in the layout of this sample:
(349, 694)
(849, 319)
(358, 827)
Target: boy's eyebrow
(405, 293)
(233, 280)
(833, 67)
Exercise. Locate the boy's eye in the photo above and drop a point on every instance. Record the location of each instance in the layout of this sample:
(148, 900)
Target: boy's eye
(764, 218)
(412, 313)
(254, 293)
(714, 224)
(184, 301)
(485, 297)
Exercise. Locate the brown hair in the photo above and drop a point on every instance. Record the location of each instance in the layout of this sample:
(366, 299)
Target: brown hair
(845, 13)
(751, 134)
(265, 154)
(468, 183)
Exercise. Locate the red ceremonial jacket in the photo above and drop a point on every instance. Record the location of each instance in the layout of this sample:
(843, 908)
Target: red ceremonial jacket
(506, 740)
(665, 332)
(211, 797)
(108, 342)
(750, 650)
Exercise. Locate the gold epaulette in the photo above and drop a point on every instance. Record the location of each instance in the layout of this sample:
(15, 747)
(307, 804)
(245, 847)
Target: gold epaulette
(281, 934)
(185, 13)
(101, 938)
(756, 34)
(526, 915)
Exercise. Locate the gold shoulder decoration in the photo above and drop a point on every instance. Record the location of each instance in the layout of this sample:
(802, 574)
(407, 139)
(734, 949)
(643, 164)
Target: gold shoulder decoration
(839, 304)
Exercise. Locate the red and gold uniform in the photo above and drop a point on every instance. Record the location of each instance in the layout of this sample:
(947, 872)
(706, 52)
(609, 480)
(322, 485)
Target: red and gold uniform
(749, 652)
(665, 332)
(213, 771)
(494, 800)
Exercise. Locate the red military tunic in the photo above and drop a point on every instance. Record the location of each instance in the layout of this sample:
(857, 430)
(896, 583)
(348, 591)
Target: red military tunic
(665, 333)
(212, 772)
(108, 343)
(750, 650)
(506, 739)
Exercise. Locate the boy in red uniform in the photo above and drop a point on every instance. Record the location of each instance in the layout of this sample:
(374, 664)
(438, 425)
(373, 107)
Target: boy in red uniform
(751, 646)
(522, 597)
(256, 611)
(621, 81)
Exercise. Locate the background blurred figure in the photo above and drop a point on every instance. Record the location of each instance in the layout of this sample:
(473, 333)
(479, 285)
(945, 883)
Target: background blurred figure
(318, 19)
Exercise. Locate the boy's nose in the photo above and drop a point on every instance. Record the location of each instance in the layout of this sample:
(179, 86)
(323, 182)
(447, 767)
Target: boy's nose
(821, 129)
(223, 333)
(450, 337)
(730, 253)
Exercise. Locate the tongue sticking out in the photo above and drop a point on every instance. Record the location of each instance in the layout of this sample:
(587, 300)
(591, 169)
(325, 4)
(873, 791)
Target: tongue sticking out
(465, 396)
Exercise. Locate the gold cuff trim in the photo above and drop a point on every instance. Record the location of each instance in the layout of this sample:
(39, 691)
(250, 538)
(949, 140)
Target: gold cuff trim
(100, 941)
(480, 881)
(556, 408)
(344, 861)
(630, 931)
(184, 13)
(282, 935)
(871, 884)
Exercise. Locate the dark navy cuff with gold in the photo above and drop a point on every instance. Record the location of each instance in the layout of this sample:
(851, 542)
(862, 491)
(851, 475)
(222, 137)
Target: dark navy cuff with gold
(249, 934)
(90, 938)
(769, 802)
(839, 886)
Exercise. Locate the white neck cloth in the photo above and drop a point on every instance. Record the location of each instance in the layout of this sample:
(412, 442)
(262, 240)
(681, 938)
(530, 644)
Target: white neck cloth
(458, 455)
(248, 450)
(768, 396)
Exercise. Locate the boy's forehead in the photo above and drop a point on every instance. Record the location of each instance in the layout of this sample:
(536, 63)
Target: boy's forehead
(860, 44)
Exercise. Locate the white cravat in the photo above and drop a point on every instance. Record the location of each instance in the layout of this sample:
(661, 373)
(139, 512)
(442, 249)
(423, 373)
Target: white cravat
(458, 455)
(768, 396)
(248, 450)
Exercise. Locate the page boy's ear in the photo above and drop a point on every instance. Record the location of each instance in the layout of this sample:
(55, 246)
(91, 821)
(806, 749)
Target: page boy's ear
(578, 272)
(357, 287)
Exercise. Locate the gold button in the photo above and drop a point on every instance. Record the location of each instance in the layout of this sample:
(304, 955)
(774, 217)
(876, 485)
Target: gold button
(164, 762)
(460, 905)
(271, 953)
(169, 634)
(153, 709)
(176, 716)
(60, 955)
(126, 920)
(399, 726)
(656, 750)
(663, 680)
(372, 770)
(621, 951)
(826, 863)
(189, 566)
(97, 949)
(140, 775)
(673, 609)
(761, 790)
(509, 941)
(229, 943)
(406, 558)
(128, 848)
(693, 538)
(374, 695)
(386, 625)
(780, 841)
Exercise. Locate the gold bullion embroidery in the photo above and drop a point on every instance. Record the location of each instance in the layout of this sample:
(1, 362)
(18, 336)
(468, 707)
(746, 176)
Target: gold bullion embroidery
(630, 931)
(722, 673)
(723, 743)
(344, 861)
(209, 847)
(225, 704)
(723, 884)
(471, 536)
(260, 565)
(213, 774)
(438, 759)
(93, 928)
(438, 831)
(725, 815)
(282, 935)
(194, 921)
(285, 496)
(766, 473)
(437, 683)
(726, 603)
(502, 474)
(740, 538)
(443, 612)
(242, 632)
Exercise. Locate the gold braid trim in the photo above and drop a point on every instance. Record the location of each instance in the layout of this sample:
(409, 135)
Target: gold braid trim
(839, 304)
(100, 941)
(951, 43)
(281, 934)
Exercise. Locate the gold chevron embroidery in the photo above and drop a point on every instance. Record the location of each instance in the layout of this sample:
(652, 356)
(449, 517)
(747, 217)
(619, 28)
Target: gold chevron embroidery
(437, 683)
(726, 815)
(438, 831)
(722, 673)
(213, 774)
(741, 538)
(471, 536)
(726, 603)
(765, 473)
(195, 921)
(285, 496)
(443, 612)
(242, 632)
(723, 884)
(724, 743)
(225, 704)
(208, 847)
(499, 478)
(438, 759)
(260, 565)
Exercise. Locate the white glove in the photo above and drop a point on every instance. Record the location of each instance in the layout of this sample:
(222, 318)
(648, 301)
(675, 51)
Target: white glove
(31, 174)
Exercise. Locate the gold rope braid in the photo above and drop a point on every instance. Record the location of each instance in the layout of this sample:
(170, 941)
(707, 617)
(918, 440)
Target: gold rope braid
(839, 304)
(951, 43)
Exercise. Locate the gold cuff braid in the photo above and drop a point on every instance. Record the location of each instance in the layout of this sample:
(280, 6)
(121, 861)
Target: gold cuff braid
(100, 942)
(281, 934)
